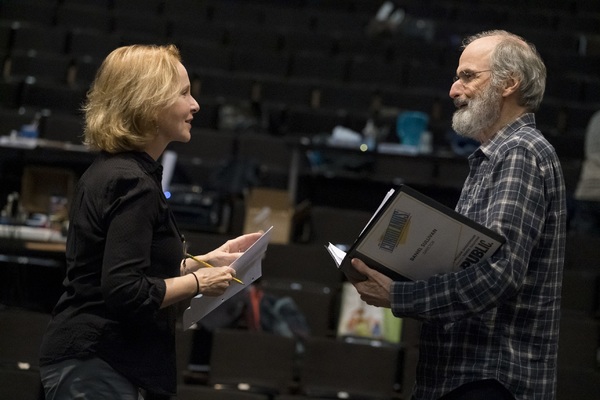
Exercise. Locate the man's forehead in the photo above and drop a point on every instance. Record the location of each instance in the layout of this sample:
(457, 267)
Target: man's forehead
(482, 47)
(477, 54)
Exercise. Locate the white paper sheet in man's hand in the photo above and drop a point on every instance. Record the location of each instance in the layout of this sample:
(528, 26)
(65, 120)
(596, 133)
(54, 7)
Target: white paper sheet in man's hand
(336, 253)
(248, 269)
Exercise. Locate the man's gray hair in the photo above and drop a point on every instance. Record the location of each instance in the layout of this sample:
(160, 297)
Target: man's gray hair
(514, 57)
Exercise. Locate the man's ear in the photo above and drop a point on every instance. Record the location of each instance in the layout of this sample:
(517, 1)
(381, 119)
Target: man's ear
(510, 87)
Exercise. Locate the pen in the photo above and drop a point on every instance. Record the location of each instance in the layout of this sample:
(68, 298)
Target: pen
(209, 266)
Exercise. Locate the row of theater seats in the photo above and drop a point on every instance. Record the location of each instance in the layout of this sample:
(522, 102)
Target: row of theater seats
(21, 336)
(282, 106)
(212, 45)
(324, 368)
(570, 29)
(288, 49)
(243, 364)
(225, 73)
(574, 15)
(270, 39)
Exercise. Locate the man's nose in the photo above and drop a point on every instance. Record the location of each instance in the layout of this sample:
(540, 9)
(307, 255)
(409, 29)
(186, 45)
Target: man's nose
(455, 89)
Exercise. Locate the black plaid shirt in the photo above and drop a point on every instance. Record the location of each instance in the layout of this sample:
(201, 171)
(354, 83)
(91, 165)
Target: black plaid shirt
(498, 319)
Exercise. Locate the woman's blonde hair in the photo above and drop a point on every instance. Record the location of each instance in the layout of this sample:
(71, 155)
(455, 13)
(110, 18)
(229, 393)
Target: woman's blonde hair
(133, 84)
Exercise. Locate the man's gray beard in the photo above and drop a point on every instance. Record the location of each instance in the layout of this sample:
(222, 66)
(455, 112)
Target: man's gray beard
(482, 112)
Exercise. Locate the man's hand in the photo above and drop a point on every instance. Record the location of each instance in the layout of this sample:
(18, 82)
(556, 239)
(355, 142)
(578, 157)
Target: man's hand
(375, 290)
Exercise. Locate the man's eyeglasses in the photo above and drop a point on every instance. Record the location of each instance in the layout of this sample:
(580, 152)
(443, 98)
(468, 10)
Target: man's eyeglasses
(467, 76)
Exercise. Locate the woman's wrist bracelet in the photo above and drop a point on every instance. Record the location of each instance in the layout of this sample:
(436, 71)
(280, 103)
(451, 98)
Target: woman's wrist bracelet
(197, 284)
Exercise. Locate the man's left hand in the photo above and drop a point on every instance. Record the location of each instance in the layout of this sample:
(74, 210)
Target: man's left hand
(375, 290)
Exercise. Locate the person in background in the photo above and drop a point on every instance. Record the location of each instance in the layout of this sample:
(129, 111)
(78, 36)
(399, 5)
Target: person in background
(112, 335)
(386, 21)
(586, 218)
(490, 331)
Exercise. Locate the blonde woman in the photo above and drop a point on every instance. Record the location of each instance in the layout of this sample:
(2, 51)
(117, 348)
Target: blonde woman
(112, 334)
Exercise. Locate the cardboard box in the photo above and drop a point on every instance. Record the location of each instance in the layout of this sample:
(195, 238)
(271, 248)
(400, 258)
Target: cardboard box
(40, 184)
(270, 207)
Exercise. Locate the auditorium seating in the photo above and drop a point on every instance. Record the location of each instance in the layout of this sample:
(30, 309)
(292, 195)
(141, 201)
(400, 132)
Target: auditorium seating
(92, 43)
(579, 341)
(30, 11)
(373, 71)
(264, 362)
(41, 38)
(293, 40)
(20, 338)
(335, 368)
(323, 35)
(63, 127)
(257, 63)
(197, 392)
(84, 16)
(286, 92)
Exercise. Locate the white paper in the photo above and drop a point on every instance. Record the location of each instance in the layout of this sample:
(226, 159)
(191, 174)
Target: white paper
(385, 199)
(336, 253)
(248, 269)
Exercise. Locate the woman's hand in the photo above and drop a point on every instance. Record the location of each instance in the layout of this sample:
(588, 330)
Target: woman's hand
(225, 254)
(232, 249)
(206, 281)
(209, 274)
(214, 281)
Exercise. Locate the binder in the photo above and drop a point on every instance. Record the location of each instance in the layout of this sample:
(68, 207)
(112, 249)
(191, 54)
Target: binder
(413, 237)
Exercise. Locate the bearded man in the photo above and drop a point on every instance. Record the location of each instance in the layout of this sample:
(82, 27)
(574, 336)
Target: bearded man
(490, 331)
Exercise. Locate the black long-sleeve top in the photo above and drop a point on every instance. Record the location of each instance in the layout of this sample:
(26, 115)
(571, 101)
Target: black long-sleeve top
(122, 243)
